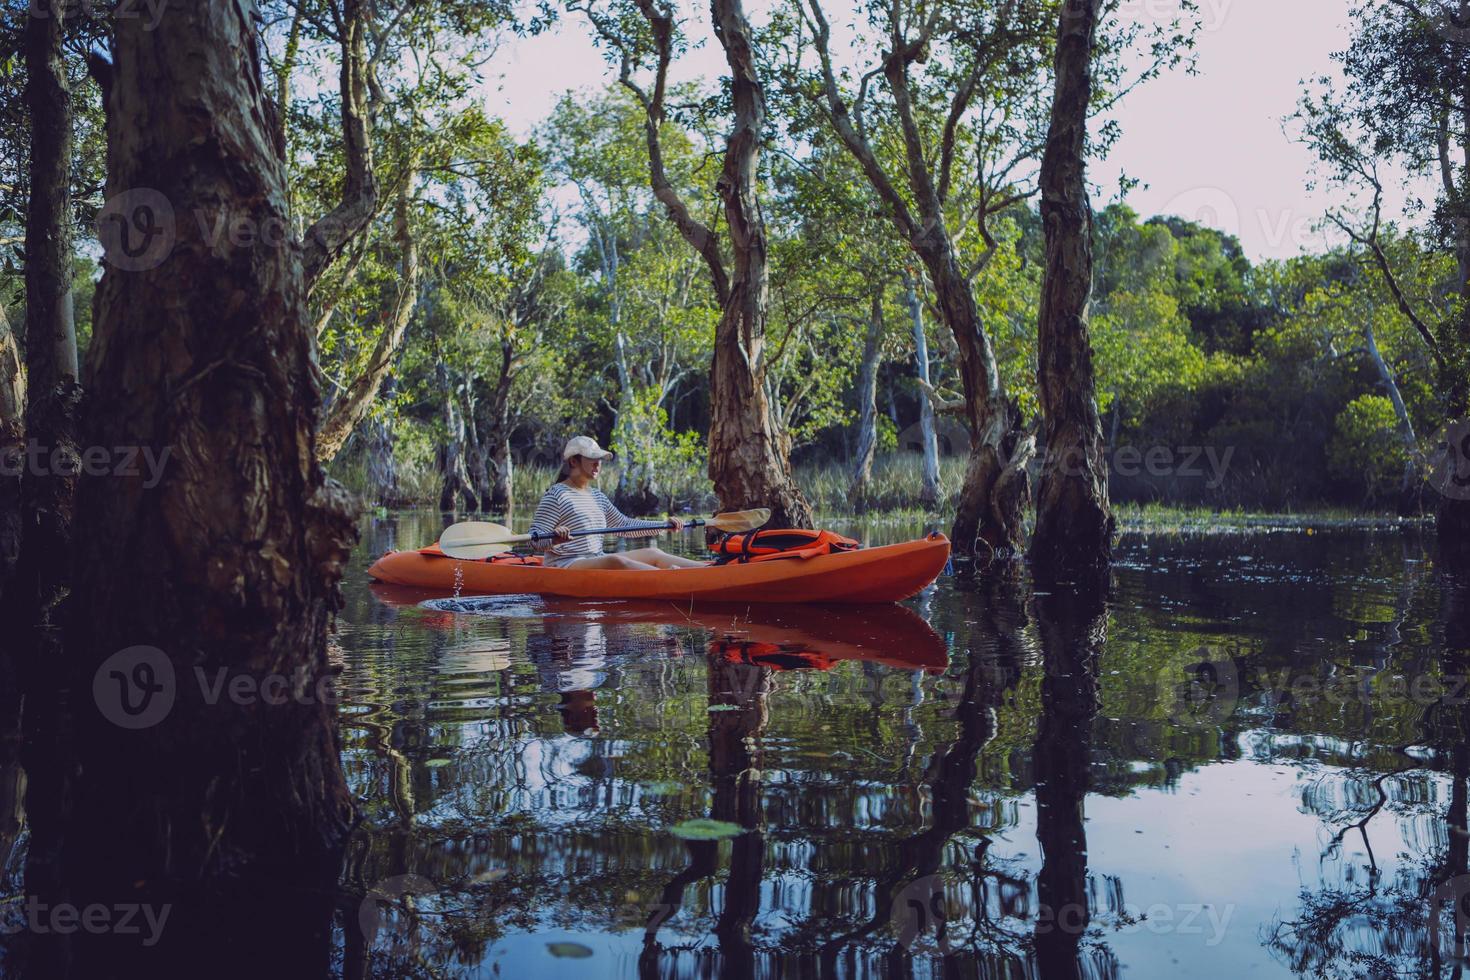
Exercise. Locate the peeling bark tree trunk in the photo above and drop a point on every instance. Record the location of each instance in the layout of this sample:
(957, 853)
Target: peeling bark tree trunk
(747, 460)
(929, 439)
(12, 449)
(48, 486)
(331, 234)
(453, 469)
(498, 434)
(867, 397)
(477, 449)
(989, 518)
(352, 405)
(227, 570)
(1074, 522)
(382, 467)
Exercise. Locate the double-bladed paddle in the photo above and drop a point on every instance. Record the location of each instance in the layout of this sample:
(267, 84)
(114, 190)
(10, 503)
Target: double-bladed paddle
(478, 540)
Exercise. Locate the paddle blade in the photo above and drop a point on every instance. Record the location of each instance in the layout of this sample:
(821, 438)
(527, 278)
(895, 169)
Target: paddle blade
(475, 540)
(740, 520)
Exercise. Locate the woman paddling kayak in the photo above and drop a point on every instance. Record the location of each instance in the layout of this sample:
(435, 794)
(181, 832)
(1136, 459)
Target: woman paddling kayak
(574, 504)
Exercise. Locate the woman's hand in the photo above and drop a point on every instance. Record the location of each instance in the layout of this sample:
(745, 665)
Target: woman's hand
(561, 534)
(676, 524)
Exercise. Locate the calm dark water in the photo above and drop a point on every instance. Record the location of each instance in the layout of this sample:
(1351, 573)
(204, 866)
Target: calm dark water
(1251, 761)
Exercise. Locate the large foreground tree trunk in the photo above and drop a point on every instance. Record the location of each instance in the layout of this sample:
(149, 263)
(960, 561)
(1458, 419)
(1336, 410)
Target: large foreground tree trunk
(349, 408)
(1074, 522)
(48, 484)
(12, 448)
(207, 745)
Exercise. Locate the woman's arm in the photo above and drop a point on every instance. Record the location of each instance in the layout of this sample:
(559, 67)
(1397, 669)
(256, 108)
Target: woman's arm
(551, 513)
(616, 518)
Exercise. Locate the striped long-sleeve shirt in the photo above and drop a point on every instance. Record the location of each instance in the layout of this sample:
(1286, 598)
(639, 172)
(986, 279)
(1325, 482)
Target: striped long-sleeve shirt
(578, 510)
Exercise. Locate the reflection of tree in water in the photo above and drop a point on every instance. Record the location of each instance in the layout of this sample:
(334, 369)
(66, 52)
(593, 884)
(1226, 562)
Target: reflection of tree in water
(1073, 628)
(913, 893)
(734, 765)
(1408, 921)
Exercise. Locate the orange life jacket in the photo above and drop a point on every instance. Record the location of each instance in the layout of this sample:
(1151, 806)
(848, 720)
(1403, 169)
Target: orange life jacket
(775, 543)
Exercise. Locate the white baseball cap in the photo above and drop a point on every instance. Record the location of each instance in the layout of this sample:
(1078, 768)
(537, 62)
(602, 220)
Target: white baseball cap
(587, 448)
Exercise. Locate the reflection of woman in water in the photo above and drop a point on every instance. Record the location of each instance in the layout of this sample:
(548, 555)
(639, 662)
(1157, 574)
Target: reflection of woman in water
(571, 658)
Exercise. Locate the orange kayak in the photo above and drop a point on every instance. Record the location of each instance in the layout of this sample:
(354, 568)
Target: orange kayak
(887, 574)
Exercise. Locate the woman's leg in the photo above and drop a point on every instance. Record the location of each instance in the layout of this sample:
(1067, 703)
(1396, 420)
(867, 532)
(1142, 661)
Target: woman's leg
(620, 562)
(661, 559)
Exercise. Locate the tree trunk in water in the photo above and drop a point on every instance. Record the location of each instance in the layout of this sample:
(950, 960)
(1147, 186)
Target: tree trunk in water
(454, 473)
(997, 488)
(867, 397)
(48, 485)
(349, 408)
(929, 495)
(12, 449)
(1074, 522)
(748, 461)
(224, 576)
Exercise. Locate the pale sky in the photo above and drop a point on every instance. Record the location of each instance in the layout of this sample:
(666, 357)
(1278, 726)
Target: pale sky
(1211, 147)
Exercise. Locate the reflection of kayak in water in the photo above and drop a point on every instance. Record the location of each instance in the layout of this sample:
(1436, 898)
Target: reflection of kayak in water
(871, 575)
(782, 637)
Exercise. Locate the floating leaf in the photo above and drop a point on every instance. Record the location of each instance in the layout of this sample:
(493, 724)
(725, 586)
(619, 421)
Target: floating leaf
(724, 707)
(436, 763)
(572, 951)
(703, 828)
